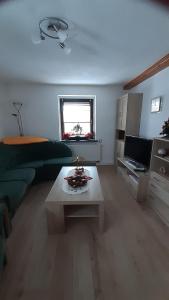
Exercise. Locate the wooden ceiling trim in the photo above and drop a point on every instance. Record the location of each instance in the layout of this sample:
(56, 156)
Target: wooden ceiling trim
(154, 69)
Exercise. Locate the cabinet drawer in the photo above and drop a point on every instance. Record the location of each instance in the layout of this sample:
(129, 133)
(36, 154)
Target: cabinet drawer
(132, 186)
(161, 193)
(120, 149)
(159, 181)
(159, 206)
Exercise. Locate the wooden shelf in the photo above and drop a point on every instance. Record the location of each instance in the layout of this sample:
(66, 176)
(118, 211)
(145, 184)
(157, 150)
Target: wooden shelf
(120, 134)
(158, 174)
(162, 158)
(158, 192)
(81, 211)
(130, 168)
(162, 139)
(136, 181)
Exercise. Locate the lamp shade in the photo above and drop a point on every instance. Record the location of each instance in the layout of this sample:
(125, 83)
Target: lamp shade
(62, 35)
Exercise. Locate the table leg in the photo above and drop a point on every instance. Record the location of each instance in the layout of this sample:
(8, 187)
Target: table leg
(55, 218)
(101, 217)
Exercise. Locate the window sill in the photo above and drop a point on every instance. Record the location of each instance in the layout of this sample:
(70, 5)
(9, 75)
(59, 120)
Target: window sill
(79, 141)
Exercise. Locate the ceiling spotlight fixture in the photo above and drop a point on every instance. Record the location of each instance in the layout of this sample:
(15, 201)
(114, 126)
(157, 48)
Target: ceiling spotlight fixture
(55, 28)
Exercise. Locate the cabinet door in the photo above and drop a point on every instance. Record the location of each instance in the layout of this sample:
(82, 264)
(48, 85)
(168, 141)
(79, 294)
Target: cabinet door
(124, 112)
(119, 113)
(120, 149)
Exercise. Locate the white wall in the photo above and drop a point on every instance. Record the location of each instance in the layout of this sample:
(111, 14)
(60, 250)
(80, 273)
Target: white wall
(40, 111)
(157, 85)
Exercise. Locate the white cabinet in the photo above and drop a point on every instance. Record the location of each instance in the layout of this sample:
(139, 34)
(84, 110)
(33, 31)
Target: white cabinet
(137, 182)
(122, 112)
(120, 148)
(128, 120)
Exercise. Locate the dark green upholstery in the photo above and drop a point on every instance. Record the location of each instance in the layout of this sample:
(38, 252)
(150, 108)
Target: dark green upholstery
(64, 161)
(2, 239)
(3, 236)
(14, 191)
(32, 164)
(26, 175)
(19, 166)
(46, 150)
(33, 155)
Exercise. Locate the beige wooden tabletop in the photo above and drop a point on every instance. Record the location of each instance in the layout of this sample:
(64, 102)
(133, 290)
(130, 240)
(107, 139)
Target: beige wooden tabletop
(92, 196)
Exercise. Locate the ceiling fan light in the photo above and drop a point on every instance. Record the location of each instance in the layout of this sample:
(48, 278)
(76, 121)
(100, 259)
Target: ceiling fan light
(62, 35)
(36, 39)
(67, 50)
(55, 28)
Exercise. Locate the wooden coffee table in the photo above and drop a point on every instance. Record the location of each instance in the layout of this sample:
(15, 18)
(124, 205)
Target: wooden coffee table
(60, 205)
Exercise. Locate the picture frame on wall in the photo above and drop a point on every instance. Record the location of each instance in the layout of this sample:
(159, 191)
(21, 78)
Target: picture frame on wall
(156, 104)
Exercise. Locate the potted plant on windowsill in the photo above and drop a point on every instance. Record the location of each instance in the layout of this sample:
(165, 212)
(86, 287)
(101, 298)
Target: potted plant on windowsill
(77, 137)
(66, 136)
(89, 136)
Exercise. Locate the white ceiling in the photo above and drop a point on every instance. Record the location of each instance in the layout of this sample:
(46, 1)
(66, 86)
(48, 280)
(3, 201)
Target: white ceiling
(111, 40)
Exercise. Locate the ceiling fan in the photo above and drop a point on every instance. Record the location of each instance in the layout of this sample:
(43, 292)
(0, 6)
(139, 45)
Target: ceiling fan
(56, 29)
(64, 33)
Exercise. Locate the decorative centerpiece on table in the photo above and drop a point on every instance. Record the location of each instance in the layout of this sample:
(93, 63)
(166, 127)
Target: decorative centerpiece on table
(78, 179)
(165, 129)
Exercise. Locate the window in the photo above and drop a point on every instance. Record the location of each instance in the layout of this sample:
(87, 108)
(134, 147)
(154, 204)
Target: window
(76, 117)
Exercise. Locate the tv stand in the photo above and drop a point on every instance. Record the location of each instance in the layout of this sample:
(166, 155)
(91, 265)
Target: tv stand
(137, 166)
(136, 180)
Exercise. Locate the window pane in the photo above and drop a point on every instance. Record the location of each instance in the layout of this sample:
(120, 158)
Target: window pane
(69, 127)
(76, 112)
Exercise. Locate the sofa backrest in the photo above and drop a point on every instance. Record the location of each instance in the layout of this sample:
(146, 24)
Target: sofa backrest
(9, 156)
(13, 155)
(45, 150)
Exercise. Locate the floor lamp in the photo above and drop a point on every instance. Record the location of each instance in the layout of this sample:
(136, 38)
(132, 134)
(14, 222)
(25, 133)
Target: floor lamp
(18, 106)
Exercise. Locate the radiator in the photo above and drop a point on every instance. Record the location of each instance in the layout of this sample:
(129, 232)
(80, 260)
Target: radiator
(90, 151)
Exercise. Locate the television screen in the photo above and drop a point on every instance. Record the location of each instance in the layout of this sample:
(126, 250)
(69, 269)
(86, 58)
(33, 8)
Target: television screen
(138, 149)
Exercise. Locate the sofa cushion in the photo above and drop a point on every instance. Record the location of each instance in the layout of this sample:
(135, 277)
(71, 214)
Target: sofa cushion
(14, 190)
(64, 161)
(27, 175)
(10, 156)
(32, 164)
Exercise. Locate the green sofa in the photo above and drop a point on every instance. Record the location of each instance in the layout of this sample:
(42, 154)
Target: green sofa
(20, 165)
(5, 229)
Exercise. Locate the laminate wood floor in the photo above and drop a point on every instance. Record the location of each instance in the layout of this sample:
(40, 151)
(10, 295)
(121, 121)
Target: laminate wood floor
(130, 260)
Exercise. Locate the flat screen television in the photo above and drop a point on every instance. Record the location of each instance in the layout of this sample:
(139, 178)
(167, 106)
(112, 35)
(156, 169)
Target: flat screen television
(138, 149)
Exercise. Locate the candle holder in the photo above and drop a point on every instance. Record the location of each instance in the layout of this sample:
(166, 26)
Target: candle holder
(79, 170)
